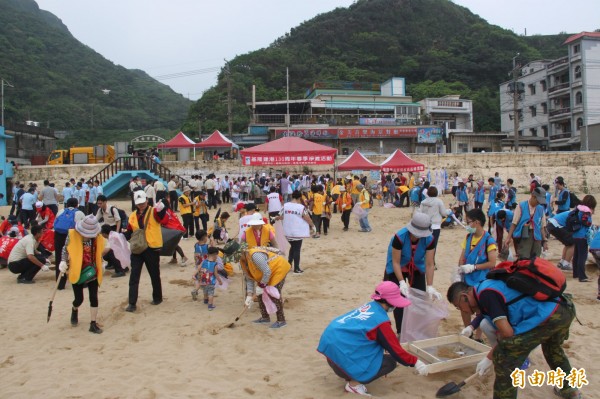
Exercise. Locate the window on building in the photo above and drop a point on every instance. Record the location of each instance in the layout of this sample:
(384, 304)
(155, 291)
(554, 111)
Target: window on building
(576, 48)
(579, 123)
(532, 89)
(533, 132)
(462, 147)
(578, 72)
(544, 108)
(578, 98)
(545, 131)
(533, 110)
(520, 133)
(544, 85)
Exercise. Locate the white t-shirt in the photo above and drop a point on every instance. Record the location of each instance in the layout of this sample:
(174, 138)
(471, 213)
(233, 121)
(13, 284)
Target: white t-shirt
(235, 192)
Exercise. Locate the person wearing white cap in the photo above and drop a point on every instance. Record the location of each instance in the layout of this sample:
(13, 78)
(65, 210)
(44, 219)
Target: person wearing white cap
(82, 261)
(410, 256)
(259, 234)
(147, 218)
(355, 343)
(186, 210)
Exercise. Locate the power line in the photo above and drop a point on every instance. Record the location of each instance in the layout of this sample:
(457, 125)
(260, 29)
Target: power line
(187, 73)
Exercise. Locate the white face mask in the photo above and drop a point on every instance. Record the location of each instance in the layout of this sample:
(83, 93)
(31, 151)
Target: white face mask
(471, 230)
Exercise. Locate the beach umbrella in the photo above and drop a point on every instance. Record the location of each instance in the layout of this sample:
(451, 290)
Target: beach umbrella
(52, 298)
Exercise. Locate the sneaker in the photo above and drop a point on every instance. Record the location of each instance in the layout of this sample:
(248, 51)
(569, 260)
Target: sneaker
(298, 271)
(575, 394)
(359, 389)
(278, 324)
(211, 307)
(194, 295)
(173, 261)
(262, 321)
(94, 328)
(184, 261)
(24, 281)
(118, 274)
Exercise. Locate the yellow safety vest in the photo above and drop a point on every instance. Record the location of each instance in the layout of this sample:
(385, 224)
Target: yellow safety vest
(153, 233)
(184, 210)
(264, 237)
(278, 264)
(75, 250)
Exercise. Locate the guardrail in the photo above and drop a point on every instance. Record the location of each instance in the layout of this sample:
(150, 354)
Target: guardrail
(136, 163)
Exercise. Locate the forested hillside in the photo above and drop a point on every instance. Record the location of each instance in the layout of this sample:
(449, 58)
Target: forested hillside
(58, 81)
(439, 47)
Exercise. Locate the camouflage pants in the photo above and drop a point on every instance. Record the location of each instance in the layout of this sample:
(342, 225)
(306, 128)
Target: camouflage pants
(512, 352)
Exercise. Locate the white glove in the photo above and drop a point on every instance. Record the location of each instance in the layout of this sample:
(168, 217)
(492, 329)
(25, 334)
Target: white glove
(403, 288)
(467, 331)
(466, 269)
(483, 366)
(248, 301)
(421, 368)
(259, 291)
(433, 293)
(159, 206)
(45, 268)
(62, 266)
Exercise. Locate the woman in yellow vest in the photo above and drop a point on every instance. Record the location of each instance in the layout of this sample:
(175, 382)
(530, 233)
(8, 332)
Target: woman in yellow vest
(82, 260)
(264, 267)
(259, 234)
(317, 208)
(364, 200)
(344, 203)
(185, 210)
(147, 218)
(201, 211)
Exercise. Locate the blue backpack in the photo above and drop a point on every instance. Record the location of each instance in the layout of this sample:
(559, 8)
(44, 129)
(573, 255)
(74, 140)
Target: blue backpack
(65, 221)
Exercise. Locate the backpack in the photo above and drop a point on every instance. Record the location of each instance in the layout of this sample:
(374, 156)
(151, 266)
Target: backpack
(122, 215)
(65, 221)
(574, 201)
(535, 277)
(574, 224)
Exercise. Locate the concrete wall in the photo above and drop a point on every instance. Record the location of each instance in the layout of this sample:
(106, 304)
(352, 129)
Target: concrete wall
(580, 170)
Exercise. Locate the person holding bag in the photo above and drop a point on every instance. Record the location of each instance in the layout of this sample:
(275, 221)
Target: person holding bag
(145, 239)
(82, 260)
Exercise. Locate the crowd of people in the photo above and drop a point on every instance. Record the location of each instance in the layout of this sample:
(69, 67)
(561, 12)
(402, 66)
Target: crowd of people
(89, 231)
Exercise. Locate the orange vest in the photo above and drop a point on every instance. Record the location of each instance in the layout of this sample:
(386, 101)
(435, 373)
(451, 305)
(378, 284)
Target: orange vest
(264, 237)
(75, 250)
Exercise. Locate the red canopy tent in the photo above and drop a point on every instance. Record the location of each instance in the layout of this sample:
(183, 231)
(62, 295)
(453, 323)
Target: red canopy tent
(179, 141)
(400, 162)
(357, 161)
(288, 151)
(216, 140)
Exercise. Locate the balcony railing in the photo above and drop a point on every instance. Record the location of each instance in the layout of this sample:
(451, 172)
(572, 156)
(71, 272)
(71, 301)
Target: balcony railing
(558, 87)
(560, 136)
(556, 112)
(558, 62)
(334, 119)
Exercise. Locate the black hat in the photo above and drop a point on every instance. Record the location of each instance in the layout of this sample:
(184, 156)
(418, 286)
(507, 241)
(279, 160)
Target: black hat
(250, 206)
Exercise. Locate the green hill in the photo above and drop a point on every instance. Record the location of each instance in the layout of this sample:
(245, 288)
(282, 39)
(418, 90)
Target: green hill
(439, 47)
(58, 81)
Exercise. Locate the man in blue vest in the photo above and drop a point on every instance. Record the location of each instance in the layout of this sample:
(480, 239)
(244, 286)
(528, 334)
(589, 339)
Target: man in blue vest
(410, 256)
(521, 324)
(529, 226)
(354, 343)
(563, 197)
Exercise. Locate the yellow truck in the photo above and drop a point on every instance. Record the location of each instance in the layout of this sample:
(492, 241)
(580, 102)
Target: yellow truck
(82, 155)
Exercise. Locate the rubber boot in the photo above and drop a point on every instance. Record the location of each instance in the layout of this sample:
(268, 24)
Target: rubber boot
(74, 318)
(94, 328)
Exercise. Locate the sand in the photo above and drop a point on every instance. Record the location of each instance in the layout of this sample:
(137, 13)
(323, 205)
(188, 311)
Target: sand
(171, 351)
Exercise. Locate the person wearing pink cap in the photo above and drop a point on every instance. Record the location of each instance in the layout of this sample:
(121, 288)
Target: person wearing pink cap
(355, 342)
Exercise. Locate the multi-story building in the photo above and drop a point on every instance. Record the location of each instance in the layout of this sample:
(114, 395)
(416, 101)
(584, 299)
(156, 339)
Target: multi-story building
(374, 118)
(558, 99)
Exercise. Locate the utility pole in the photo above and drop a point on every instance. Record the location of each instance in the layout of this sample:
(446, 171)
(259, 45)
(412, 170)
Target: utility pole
(287, 93)
(229, 101)
(516, 102)
(3, 83)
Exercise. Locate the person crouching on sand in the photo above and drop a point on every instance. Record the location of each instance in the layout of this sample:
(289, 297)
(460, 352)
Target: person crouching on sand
(355, 342)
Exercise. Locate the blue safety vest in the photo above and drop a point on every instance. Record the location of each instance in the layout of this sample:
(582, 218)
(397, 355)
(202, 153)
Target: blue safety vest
(477, 256)
(511, 197)
(507, 222)
(407, 253)
(461, 194)
(480, 195)
(524, 314)
(547, 207)
(525, 217)
(492, 195)
(345, 341)
(564, 196)
(495, 206)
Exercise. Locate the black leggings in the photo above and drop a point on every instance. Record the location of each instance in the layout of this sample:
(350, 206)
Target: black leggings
(294, 253)
(179, 251)
(388, 364)
(92, 289)
(418, 282)
(346, 218)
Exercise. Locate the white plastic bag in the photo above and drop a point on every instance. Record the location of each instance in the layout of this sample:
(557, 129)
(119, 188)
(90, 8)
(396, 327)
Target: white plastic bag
(511, 254)
(358, 212)
(118, 243)
(282, 242)
(422, 318)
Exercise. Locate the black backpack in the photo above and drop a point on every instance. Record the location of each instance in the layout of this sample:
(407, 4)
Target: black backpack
(122, 215)
(573, 200)
(574, 224)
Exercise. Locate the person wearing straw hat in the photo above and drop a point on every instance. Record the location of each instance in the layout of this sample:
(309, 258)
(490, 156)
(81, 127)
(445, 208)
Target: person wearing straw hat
(185, 210)
(147, 218)
(355, 343)
(82, 260)
(259, 234)
(410, 256)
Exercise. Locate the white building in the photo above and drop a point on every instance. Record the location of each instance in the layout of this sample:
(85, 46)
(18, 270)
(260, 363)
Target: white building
(557, 99)
(452, 111)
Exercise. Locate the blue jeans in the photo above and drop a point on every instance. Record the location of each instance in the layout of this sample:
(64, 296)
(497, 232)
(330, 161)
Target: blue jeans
(364, 221)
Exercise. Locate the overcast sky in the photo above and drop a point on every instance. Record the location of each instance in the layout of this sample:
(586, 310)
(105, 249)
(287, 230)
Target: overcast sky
(184, 36)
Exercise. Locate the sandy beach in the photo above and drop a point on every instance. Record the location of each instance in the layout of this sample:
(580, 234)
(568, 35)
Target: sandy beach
(171, 350)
